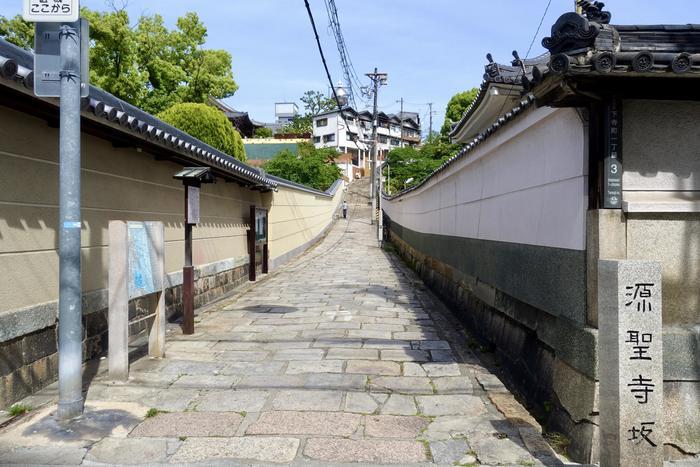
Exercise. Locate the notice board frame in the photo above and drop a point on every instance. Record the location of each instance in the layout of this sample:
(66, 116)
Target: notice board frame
(258, 236)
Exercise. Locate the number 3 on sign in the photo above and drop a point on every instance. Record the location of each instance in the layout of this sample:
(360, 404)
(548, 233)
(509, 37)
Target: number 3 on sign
(51, 11)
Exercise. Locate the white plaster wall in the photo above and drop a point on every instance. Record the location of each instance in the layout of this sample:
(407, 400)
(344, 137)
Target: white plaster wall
(526, 184)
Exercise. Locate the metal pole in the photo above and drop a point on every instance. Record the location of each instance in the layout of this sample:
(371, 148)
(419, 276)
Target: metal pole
(430, 131)
(373, 181)
(380, 220)
(70, 335)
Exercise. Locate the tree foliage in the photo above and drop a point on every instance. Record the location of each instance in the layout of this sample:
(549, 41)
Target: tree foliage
(263, 132)
(458, 104)
(146, 64)
(311, 167)
(409, 166)
(208, 125)
(17, 31)
(314, 102)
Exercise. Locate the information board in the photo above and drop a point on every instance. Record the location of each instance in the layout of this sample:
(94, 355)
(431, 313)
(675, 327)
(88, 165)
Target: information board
(144, 273)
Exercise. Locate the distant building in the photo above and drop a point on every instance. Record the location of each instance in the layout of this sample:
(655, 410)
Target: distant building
(351, 134)
(285, 112)
(241, 121)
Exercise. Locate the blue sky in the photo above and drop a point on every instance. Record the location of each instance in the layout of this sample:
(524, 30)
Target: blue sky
(431, 49)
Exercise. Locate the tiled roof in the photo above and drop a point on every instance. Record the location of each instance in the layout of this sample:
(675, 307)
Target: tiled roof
(16, 65)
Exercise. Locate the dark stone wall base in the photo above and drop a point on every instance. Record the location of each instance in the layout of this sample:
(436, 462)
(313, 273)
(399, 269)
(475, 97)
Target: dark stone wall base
(30, 362)
(518, 334)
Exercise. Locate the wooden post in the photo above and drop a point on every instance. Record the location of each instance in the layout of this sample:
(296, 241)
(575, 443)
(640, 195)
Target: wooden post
(266, 251)
(188, 274)
(251, 246)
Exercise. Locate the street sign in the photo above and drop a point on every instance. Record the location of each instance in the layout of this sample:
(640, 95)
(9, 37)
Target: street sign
(47, 58)
(51, 11)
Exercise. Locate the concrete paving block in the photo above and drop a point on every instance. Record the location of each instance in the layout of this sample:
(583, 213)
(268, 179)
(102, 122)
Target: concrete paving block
(401, 384)
(130, 451)
(405, 355)
(232, 400)
(321, 366)
(449, 452)
(398, 404)
(352, 354)
(327, 401)
(365, 451)
(173, 425)
(394, 426)
(257, 449)
(336, 381)
(450, 405)
(43, 455)
(454, 385)
(372, 367)
(362, 402)
(305, 423)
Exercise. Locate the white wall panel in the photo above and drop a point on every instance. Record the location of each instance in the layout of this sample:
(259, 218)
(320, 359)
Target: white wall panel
(531, 188)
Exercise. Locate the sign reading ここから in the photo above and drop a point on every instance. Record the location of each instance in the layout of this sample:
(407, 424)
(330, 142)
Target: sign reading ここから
(51, 11)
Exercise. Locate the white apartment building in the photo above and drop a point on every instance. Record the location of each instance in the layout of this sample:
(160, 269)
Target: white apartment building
(351, 135)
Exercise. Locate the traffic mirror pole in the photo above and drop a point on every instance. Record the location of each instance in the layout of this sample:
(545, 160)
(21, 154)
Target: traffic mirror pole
(70, 355)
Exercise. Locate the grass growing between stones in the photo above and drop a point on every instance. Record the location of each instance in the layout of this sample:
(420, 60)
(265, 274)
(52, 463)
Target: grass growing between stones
(19, 409)
(153, 412)
(558, 441)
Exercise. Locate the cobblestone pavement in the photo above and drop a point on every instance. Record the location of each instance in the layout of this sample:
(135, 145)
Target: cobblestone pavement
(340, 357)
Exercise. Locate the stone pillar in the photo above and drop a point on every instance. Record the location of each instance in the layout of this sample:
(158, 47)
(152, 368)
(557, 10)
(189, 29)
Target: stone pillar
(118, 313)
(630, 362)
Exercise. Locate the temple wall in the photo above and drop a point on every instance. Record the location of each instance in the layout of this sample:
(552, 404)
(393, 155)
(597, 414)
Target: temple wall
(501, 236)
(117, 184)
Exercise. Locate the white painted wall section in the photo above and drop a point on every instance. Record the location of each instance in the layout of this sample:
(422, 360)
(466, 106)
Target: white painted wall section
(526, 184)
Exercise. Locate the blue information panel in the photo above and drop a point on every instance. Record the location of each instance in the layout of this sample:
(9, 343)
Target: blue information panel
(143, 271)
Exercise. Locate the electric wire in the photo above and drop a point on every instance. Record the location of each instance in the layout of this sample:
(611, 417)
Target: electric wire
(527, 55)
(325, 65)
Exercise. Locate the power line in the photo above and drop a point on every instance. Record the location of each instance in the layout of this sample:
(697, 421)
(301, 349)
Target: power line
(529, 49)
(323, 59)
(351, 78)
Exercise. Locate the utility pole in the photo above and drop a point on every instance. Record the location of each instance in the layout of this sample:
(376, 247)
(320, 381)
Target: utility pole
(430, 113)
(70, 332)
(401, 113)
(377, 79)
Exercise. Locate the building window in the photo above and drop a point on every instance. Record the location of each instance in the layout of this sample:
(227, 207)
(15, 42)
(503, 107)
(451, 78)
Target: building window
(321, 122)
(394, 142)
(383, 139)
(349, 136)
(317, 139)
(328, 138)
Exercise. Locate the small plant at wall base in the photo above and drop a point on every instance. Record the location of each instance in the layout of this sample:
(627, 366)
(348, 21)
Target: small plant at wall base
(208, 125)
(312, 167)
(19, 409)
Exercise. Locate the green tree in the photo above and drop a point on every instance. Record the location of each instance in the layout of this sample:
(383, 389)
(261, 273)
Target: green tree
(263, 132)
(311, 167)
(146, 64)
(406, 167)
(458, 104)
(17, 31)
(315, 102)
(208, 125)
